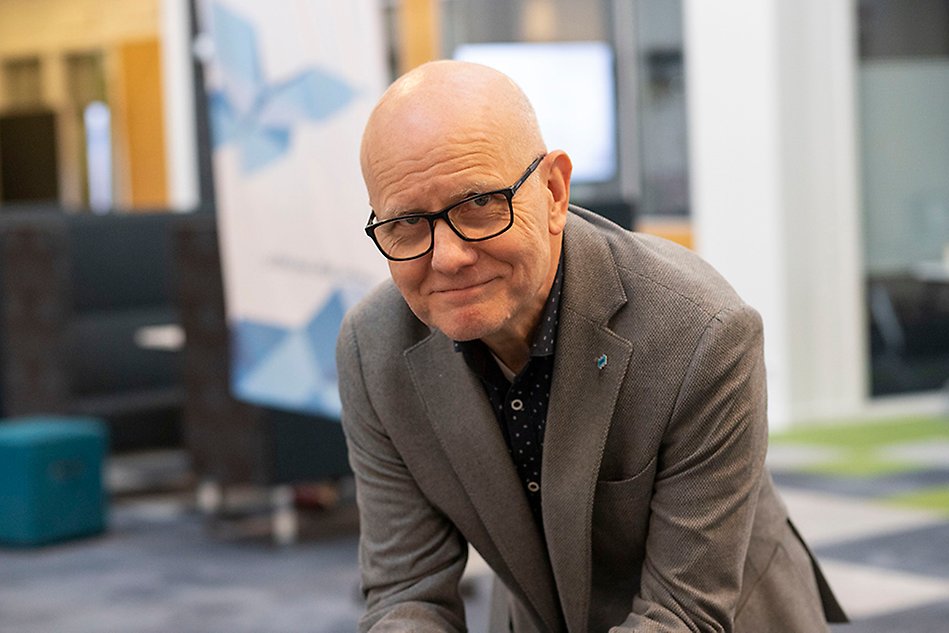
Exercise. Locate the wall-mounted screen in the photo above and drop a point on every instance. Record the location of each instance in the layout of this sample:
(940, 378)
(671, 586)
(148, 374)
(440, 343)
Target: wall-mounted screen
(572, 87)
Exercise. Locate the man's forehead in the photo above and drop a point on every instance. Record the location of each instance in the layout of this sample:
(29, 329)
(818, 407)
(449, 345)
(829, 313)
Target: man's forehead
(419, 186)
(429, 143)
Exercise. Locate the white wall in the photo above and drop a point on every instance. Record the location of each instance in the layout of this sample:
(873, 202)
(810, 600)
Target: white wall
(770, 85)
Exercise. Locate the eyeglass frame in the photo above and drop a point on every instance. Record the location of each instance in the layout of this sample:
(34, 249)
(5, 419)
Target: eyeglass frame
(507, 192)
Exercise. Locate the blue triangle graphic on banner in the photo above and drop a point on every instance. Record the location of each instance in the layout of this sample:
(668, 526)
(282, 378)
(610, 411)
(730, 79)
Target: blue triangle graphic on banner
(251, 343)
(288, 375)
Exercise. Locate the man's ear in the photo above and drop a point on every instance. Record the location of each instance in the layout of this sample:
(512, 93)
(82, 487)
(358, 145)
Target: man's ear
(558, 187)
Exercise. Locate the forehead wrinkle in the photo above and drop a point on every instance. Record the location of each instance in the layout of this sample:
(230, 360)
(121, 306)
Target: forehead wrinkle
(426, 175)
(463, 190)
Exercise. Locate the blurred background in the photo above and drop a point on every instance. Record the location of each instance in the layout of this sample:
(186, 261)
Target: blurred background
(180, 234)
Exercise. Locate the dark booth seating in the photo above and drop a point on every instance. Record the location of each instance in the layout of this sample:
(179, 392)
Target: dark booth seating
(77, 289)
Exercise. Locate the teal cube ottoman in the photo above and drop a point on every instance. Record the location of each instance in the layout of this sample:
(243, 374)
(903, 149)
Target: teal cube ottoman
(51, 485)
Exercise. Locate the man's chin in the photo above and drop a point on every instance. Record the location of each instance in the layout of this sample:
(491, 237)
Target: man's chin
(465, 329)
(462, 335)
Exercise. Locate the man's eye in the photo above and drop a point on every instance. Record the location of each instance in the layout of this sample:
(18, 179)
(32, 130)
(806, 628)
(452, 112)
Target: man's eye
(481, 201)
(411, 221)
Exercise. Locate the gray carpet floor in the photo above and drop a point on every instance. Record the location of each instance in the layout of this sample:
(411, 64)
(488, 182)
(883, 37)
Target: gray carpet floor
(162, 567)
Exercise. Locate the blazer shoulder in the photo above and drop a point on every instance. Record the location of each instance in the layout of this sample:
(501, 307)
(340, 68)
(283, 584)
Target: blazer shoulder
(679, 270)
(656, 266)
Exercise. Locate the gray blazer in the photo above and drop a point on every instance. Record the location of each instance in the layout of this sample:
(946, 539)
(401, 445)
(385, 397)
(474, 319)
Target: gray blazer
(658, 512)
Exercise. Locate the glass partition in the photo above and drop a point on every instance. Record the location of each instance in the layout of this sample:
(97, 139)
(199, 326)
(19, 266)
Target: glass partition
(903, 101)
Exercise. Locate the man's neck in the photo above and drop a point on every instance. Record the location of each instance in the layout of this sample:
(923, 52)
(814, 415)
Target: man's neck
(514, 351)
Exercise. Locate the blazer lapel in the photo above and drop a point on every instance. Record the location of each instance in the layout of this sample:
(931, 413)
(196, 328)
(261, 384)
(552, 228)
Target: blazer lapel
(462, 419)
(590, 366)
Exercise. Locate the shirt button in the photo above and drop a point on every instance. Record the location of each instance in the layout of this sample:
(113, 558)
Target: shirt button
(533, 486)
(517, 404)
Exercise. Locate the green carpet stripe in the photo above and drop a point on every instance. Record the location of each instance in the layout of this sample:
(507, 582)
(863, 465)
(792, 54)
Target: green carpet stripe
(868, 434)
(860, 464)
(936, 499)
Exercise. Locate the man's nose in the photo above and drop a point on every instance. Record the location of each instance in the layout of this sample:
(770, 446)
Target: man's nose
(450, 252)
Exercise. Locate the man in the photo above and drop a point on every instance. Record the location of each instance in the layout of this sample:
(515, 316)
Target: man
(584, 405)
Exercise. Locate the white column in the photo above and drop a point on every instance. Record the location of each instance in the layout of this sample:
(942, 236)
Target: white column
(181, 149)
(774, 186)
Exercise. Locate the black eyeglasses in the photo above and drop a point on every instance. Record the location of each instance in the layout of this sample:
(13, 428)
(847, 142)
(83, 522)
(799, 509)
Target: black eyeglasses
(476, 218)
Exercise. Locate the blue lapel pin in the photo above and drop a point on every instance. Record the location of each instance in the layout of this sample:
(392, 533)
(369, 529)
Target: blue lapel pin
(601, 361)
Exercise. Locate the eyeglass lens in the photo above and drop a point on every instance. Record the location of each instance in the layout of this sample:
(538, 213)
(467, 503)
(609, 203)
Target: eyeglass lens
(478, 218)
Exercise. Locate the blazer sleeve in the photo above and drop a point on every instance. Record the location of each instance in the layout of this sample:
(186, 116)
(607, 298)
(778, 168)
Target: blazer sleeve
(710, 467)
(411, 557)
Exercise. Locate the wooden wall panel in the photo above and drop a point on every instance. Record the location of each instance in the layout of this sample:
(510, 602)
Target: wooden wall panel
(141, 80)
(419, 28)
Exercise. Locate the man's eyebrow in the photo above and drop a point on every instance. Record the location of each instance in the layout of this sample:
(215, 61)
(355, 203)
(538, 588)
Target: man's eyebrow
(388, 214)
(468, 193)
(472, 190)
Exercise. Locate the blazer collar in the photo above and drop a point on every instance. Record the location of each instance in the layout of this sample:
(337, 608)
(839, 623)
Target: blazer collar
(590, 366)
(590, 360)
(467, 430)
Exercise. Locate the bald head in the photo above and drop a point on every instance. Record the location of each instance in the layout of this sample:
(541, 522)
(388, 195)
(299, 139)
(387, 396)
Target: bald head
(446, 102)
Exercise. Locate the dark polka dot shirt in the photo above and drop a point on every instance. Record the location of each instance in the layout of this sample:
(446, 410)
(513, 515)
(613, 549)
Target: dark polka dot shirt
(520, 404)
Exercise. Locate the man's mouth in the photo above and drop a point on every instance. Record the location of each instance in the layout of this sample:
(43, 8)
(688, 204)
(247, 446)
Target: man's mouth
(462, 288)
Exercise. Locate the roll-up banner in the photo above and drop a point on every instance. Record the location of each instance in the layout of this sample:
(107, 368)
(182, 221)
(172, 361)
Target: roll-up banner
(290, 85)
